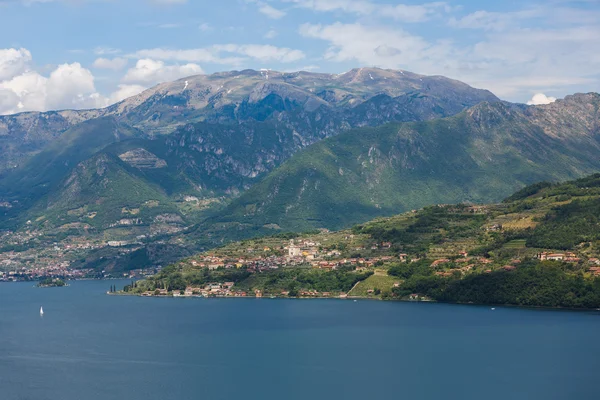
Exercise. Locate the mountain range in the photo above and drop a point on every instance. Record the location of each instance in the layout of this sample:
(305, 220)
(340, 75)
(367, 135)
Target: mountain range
(215, 134)
(217, 157)
(479, 155)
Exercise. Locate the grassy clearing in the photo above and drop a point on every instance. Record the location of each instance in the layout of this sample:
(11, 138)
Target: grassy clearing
(521, 223)
(380, 280)
(516, 244)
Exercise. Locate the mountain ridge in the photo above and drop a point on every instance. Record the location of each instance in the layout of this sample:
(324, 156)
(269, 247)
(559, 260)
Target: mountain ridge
(383, 168)
(232, 128)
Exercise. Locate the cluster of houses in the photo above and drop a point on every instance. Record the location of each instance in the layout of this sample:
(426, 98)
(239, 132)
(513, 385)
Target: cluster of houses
(566, 257)
(209, 290)
(59, 270)
(595, 271)
(471, 262)
(305, 252)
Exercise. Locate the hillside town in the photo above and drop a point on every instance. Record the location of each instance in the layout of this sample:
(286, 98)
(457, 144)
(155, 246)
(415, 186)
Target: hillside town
(311, 254)
(27, 258)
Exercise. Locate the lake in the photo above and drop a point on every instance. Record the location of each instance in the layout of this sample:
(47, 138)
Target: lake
(90, 346)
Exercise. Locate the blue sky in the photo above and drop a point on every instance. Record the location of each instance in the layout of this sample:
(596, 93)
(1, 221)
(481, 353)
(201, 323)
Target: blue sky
(90, 53)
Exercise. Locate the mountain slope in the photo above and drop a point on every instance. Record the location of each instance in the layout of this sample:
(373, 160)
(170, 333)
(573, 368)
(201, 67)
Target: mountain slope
(23, 135)
(480, 155)
(227, 130)
(232, 97)
(44, 170)
(101, 186)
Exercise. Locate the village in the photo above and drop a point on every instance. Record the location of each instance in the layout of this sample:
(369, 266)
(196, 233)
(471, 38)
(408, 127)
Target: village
(305, 253)
(310, 254)
(27, 255)
(326, 251)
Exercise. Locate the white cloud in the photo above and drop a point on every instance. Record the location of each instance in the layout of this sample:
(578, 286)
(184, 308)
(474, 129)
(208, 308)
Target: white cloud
(125, 91)
(30, 2)
(307, 68)
(270, 34)
(230, 54)
(8, 101)
(400, 12)
(67, 86)
(116, 64)
(351, 6)
(541, 98)
(493, 21)
(148, 72)
(270, 11)
(511, 63)
(30, 89)
(263, 52)
(191, 55)
(103, 51)
(205, 27)
(412, 13)
(13, 62)
(374, 45)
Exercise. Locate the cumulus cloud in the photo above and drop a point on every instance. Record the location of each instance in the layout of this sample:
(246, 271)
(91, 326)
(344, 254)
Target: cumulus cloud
(125, 91)
(71, 86)
(23, 89)
(8, 99)
(13, 62)
(540, 98)
(148, 71)
(374, 45)
(115, 64)
(270, 11)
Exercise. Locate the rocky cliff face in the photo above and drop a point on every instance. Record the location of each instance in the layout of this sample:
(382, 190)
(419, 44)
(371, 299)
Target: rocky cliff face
(23, 135)
(142, 159)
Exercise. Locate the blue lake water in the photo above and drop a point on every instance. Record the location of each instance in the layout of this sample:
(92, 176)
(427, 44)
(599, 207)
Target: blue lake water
(92, 346)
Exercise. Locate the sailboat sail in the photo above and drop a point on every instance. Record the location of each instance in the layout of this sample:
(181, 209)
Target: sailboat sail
(41, 311)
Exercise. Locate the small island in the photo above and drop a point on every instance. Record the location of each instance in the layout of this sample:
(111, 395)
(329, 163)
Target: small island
(51, 282)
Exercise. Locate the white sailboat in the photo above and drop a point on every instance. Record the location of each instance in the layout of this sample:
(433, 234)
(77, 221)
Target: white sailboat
(41, 311)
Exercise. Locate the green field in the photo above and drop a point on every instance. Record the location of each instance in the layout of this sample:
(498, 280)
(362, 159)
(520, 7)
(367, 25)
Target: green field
(376, 281)
(516, 244)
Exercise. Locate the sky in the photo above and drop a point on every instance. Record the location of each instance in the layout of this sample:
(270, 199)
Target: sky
(62, 54)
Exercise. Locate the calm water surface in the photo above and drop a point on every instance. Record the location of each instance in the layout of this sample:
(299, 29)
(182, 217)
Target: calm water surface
(92, 346)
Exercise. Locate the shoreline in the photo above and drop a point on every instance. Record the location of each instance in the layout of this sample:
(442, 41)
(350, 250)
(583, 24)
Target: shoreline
(531, 307)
